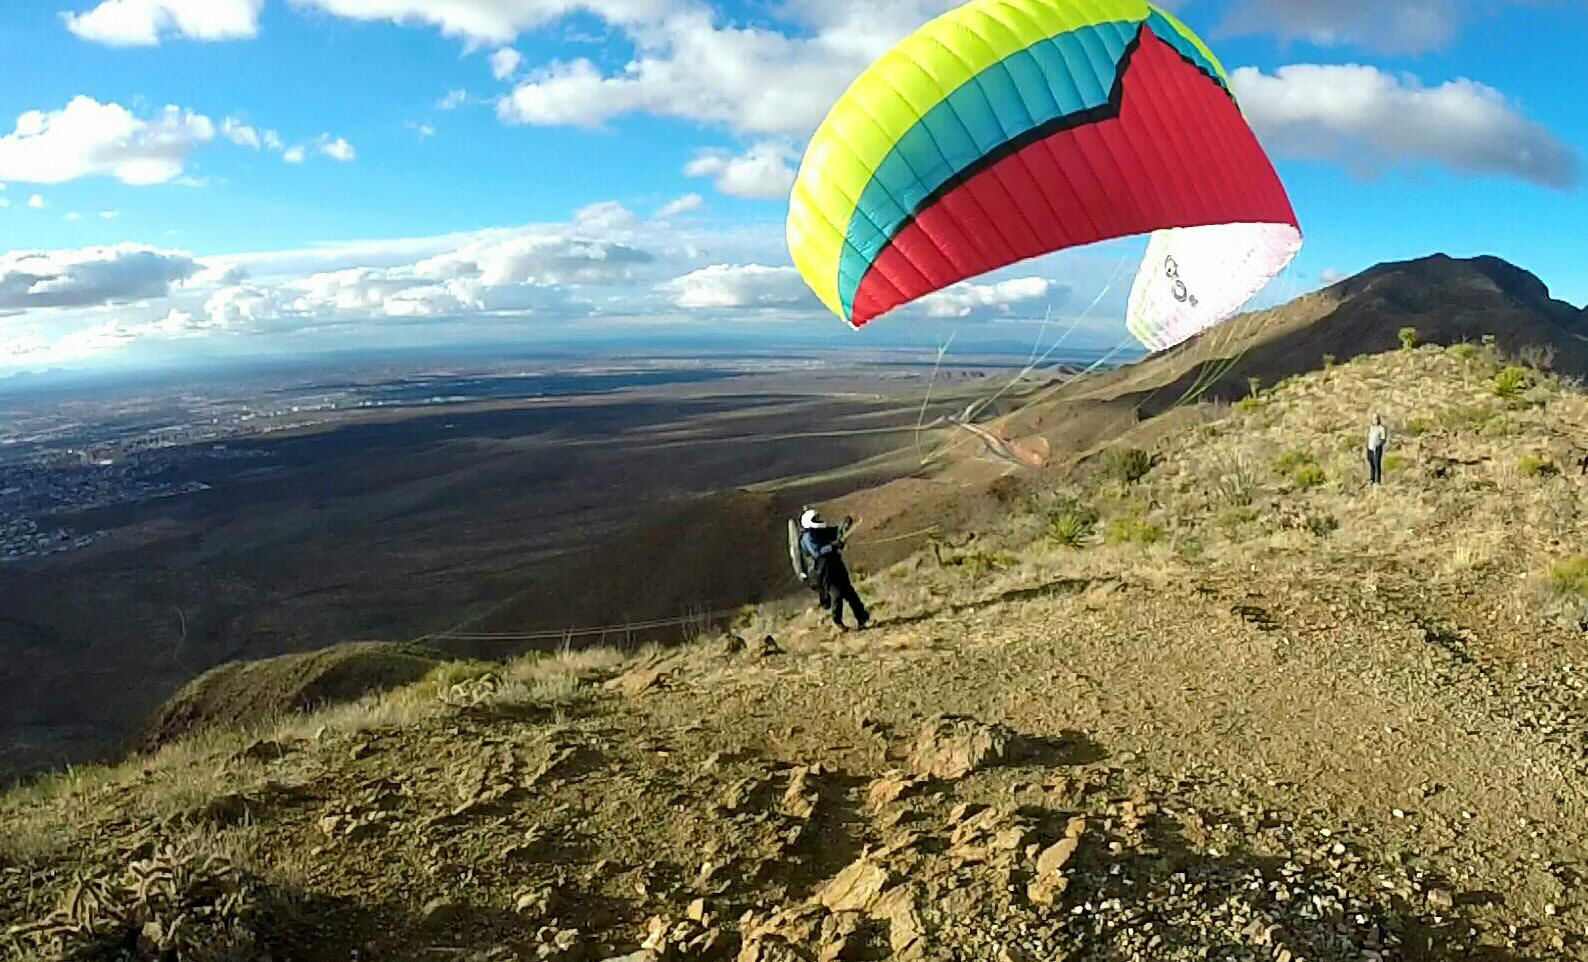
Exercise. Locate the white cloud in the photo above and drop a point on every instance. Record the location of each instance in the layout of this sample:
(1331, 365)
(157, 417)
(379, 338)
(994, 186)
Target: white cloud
(489, 21)
(750, 79)
(240, 133)
(1372, 120)
(604, 218)
(1330, 275)
(338, 149)
(766, 170)
(604, 264)
(125, 23)
(422, 129)
(4, 203)
(36, 201)
(23, 348)
(1403, 26)
(92, 276)
(246, 135)
(505, 62)
(738, 286)
(513, 274)
(109, 214)
(453, 99)
(965, 299)
(73, 215)
(682, 205)
(89, 138)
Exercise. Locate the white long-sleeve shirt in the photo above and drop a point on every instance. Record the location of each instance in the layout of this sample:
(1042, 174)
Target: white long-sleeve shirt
(1377, 436)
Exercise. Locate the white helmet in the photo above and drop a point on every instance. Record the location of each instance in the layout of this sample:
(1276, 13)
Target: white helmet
(809, 519)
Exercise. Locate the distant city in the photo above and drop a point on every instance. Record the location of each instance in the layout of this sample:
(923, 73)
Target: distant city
(122, 445)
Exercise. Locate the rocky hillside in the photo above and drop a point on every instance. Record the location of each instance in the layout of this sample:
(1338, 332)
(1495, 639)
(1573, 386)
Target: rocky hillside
(1203, 696)
(1443, 299)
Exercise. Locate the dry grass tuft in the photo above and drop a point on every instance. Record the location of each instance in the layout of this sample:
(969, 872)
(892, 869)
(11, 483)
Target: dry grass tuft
(1570, 577)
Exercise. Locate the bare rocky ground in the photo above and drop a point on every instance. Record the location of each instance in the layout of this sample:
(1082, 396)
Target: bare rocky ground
(1236, 709)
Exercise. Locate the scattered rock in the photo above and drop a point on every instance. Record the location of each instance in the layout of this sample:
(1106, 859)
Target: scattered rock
(537, 903)
(640, 680)
(888, 789)
(733, 645)
(1056, 856)
(798, 925)
(265, 750)
(842, 939)
(771, 949)
(952, 747)
(905, 928)
(770, 647)
(560, 945)
(802, 796)
(227, 809)
(1048, 889)
(1441, 899)
(738, 795)
(439, 913)
(856, 888)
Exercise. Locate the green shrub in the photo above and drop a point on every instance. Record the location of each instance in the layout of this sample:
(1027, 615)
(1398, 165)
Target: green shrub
(1248, 404)
(1570, 577)
(1322, 525)
(1539, 357)
(980, 563)
(1413, 427)
(1408, 336)
(1309, 476)
(1539, 395)
(1512, 381)
(1497, 426)
(1255, 385)
(1464, 418)
(1301, 468)
(974, 560)
(1328, 361)
(1465, 351)
(1127, 465)
(1133, 531)
(1061, 504)
(1236, 517)
(1535, 466)
(1290, 461)
(1191, 548)
(1236, 483)
(1070, 530)
(1394, 462)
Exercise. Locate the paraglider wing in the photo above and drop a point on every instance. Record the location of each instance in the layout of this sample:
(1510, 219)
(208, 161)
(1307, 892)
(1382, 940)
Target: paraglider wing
(1008, 129)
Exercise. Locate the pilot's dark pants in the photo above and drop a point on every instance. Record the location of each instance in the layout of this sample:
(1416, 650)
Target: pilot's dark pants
(835, 588)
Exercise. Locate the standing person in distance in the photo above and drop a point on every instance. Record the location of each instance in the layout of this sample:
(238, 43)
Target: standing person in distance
(1377, 440)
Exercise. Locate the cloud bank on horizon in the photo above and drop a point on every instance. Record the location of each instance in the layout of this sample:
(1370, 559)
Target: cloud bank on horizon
(697, 99)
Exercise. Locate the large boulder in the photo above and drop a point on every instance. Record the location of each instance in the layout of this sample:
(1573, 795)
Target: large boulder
(952, 747)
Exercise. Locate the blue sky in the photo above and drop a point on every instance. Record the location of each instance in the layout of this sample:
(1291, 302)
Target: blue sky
(516, 168)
